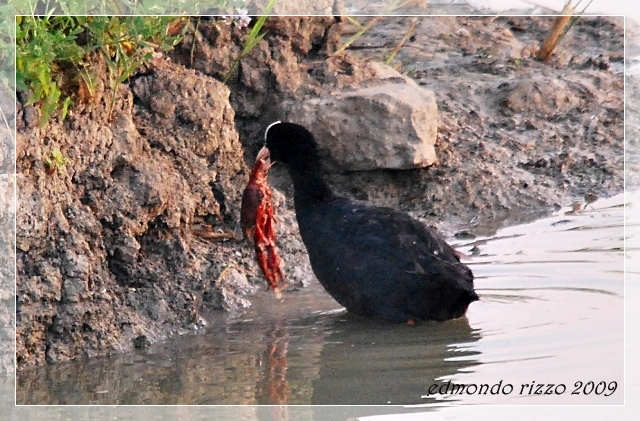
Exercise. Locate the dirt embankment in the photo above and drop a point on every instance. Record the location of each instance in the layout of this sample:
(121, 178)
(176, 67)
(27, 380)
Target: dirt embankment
(516, 134)
(138, 233)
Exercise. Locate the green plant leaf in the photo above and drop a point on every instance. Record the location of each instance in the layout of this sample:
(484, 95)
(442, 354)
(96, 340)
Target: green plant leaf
(65, 107)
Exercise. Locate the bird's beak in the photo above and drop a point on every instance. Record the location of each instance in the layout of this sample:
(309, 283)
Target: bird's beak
(263, 154)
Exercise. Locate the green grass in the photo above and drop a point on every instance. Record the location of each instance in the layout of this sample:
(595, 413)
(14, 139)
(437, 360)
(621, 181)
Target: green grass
(56, 162)
(43, 44)
(54, 51)
(55, 47)
(123, 7)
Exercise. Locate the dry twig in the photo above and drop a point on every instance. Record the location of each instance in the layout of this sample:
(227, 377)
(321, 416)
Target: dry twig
(560, 27)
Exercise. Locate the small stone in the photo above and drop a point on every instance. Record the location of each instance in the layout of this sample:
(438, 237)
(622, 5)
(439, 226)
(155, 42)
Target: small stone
(141, 342)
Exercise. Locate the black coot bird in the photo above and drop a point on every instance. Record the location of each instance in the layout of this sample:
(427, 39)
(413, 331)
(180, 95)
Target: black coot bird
(375, 261)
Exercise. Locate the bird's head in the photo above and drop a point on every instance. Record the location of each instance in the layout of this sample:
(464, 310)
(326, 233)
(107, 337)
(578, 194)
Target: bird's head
(290, 143)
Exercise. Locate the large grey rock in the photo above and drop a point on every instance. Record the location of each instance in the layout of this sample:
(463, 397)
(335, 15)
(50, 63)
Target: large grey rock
(389, 126)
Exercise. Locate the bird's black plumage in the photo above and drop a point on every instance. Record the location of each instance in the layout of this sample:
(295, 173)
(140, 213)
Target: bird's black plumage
(376, 261)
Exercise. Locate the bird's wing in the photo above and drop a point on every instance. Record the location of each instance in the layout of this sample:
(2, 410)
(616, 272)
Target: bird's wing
(404, 240)
(398, 229)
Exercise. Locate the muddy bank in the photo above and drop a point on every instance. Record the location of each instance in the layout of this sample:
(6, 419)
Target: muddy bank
(131, 239)
(515, 134)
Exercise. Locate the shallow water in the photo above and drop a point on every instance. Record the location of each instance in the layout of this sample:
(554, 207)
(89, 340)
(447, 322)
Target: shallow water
(551, 312)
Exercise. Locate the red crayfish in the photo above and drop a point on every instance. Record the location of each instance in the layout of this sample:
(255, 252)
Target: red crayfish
(257, 218)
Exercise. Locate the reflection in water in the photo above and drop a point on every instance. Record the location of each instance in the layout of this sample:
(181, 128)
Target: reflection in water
(551, 311)
(276, 370)
(366, 363)
(275, 374)
(319, 359)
